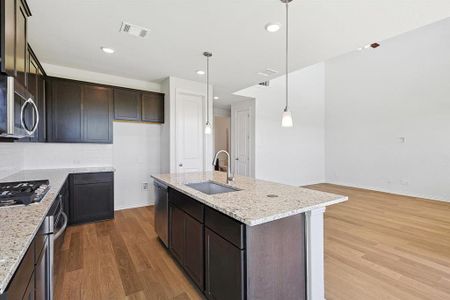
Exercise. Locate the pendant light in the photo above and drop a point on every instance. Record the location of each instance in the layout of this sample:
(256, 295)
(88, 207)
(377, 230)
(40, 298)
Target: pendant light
(208, 128)
(286, 119)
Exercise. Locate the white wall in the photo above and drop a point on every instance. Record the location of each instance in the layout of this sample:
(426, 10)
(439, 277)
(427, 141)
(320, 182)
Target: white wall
(375, 98)
(11, 158)
(291, 155)
(136, 157)
(62, 155)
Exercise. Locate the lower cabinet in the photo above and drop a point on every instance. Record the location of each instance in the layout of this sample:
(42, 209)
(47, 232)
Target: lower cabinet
(224, 268)
(91, 197)
(186, 243)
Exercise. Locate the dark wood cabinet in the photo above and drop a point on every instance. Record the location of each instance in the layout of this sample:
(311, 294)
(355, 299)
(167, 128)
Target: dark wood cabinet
(224, 268)
(97, 109)
(79, 112)
(177, 242)
(127, 104)
(36, 87)
(14, 14)
(186, 236)
(64, 111)
(193, 254)
(91, 197)
(140, 106)
(152, 107)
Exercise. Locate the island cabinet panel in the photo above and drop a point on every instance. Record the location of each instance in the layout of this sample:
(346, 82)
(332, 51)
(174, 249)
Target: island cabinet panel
(193, 255)
(91, 197)
(224, 268)
(276, 263)
(127, 104)
(229, 228)
(177, 241)
(186, 235)
(97, 114)
(153, 107)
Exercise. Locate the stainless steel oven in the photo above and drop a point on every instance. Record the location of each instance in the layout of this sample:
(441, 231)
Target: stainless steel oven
(57, 225)
(19, 115)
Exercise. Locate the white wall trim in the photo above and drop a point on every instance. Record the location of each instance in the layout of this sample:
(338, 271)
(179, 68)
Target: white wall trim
(132, 206)
(315, 279)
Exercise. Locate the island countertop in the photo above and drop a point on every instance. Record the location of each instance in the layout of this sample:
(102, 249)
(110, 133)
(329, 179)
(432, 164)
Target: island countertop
(19, 224)
(251, 205)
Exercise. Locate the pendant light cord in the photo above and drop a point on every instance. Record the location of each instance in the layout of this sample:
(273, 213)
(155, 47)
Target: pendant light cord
(287, 55)
(207, 89)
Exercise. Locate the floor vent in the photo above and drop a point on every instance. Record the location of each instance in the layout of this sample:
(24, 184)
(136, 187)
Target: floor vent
(135, 30)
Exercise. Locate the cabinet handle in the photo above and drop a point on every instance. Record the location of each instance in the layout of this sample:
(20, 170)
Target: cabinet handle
(180, 165)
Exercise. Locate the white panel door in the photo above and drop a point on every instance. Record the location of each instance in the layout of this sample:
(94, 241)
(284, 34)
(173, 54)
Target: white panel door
(242, 147)
(189, 132)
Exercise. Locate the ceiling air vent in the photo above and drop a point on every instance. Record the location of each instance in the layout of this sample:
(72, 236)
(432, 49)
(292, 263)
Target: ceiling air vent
(265, 83)
(268, 72)
(135, 30)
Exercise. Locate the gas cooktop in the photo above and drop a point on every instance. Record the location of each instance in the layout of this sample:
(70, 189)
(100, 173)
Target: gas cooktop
(22, 192)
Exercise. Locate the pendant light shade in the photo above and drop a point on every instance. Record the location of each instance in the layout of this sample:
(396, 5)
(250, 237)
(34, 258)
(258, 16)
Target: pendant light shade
(286, 118)
(208, 129)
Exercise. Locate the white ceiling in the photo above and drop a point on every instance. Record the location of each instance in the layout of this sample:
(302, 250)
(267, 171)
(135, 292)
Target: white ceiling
(71, 32)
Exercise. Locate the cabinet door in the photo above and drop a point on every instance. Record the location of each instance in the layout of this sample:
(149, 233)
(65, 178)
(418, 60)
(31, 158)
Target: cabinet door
(7, 9)
(21, 43)
(177, 241)
(97, 114)
(152, 107)
(193, 254)
(92, 202)
(65, 115)
(224, 268)
(41, 104)
(127, 105)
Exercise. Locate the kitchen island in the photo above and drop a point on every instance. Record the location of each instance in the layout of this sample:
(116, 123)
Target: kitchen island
(256, 240)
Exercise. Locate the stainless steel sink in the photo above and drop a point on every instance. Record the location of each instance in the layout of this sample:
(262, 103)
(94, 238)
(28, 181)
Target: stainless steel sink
(211, 187)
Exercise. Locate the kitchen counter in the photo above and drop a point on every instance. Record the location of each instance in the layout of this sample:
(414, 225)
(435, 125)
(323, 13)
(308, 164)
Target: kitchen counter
(252, 205)
(19, 224)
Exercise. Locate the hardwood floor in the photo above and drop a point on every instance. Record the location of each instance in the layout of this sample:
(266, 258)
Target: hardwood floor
(384, 246)
(377, 246)
(119, 259)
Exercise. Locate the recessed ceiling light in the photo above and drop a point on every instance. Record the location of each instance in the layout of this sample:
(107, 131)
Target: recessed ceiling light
(216, 98)
(200, 72)
(107, 50)
(272, 27)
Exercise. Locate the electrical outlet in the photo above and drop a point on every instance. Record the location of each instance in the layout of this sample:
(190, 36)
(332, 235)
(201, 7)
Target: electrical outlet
(145, 186)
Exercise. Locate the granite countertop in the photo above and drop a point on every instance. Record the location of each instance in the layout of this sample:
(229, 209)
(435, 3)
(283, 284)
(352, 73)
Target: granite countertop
(251, 205)
(19, 224)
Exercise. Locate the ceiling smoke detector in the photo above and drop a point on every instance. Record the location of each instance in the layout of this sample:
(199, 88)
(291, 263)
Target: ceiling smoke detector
(135, 30)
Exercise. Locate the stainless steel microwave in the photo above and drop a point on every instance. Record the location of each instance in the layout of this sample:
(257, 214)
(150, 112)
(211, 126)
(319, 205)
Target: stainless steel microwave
(19, 115)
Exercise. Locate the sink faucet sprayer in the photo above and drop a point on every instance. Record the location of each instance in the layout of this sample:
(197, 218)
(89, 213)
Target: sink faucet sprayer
(230, 177)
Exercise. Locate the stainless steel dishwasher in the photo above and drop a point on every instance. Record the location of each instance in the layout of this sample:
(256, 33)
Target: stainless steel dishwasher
(162, 212)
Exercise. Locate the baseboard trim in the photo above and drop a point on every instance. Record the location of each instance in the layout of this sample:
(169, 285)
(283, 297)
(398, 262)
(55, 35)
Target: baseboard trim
(133, 206)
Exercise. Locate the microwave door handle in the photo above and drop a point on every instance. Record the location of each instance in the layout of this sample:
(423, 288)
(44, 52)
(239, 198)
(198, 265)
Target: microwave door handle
(35, 126)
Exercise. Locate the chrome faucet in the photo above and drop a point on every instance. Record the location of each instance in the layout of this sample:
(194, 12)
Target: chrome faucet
(230, 177)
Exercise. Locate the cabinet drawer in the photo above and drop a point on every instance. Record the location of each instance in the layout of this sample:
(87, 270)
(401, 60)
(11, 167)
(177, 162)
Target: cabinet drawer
(19, 282)
(187, 204)
(92, 178)
(228, 228)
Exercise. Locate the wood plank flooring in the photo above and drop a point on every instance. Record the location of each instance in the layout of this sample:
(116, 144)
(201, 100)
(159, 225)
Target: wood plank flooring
(384, 246)
(377, 246)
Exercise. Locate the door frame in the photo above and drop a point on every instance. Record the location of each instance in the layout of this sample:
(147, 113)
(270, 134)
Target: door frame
(251, 106)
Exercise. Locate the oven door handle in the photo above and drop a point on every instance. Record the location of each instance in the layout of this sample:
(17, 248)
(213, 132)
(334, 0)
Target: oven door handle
(29, 132)
(61, 230)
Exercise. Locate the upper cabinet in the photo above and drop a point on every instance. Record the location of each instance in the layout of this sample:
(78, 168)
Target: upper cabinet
(140, 106)
(14, 14)
(79, 112)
